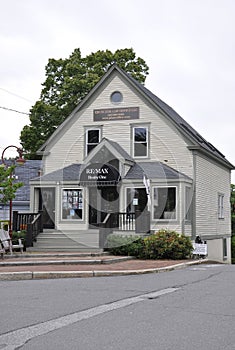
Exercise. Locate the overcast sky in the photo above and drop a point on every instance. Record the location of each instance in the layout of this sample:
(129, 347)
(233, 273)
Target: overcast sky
(189, 46)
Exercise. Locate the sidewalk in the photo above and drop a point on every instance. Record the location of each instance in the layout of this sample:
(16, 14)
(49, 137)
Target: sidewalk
(68, 265)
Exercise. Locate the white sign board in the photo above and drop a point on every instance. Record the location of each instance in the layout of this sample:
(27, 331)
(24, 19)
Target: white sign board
(199, 249)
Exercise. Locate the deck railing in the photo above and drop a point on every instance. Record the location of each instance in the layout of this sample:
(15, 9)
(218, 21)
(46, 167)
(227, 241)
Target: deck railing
(29, 222)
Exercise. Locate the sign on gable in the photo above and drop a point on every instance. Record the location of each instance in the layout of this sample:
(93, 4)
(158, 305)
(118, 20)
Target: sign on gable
(116, 114)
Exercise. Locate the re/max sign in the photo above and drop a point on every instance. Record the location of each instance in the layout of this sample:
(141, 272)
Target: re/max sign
(110, 114)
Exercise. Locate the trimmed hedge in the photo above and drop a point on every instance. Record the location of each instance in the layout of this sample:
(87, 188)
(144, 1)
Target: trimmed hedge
(124, 245)
(164, 244)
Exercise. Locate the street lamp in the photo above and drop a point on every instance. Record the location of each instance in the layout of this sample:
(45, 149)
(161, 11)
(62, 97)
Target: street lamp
(19, 161)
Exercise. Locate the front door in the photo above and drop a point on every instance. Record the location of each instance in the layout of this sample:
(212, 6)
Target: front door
(136, 200)
(47, 205)
(102, 200)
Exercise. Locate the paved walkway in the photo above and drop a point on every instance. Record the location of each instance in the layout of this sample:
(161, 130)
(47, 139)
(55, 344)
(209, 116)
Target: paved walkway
(61, 265)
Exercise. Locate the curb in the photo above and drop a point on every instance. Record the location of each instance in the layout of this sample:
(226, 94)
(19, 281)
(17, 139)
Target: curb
(66, 262)
(30, 275)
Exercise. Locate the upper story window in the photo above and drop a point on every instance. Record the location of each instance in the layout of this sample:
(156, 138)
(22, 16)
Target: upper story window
(92, 139)
(140, 141)
(221, 206)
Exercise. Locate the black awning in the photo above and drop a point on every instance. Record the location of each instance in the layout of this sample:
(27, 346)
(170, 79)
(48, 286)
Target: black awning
(99, 174)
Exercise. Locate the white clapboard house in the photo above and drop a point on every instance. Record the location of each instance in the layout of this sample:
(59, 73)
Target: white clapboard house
(125, 151)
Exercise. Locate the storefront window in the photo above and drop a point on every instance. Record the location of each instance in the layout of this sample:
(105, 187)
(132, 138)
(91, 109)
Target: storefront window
(164, 203)
(72, 204)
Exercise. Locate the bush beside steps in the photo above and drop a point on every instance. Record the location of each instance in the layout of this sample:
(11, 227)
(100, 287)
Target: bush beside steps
(164, 244)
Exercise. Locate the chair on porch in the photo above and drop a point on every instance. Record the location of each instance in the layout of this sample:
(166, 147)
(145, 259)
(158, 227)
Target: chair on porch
(2, 250)
(7, 244)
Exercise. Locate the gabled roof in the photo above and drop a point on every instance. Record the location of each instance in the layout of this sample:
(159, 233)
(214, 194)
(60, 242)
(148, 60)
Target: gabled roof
(197, 140)
(106, 142)
(69, 173)
(154, 170)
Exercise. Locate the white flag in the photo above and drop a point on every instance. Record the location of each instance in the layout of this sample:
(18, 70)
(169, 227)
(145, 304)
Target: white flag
(146, 184)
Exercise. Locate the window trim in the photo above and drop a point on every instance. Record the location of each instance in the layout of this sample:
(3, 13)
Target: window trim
(86, 138)
(133, 127)
(221, 206)
(176, 204)
(71, 188)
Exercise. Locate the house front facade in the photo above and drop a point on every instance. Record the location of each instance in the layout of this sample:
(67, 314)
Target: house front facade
(123, 150)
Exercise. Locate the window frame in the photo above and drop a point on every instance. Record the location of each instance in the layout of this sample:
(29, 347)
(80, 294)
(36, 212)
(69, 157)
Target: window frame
(221, 206)
(176, 204)
(133, 128)
(72, 189)
(86, 138)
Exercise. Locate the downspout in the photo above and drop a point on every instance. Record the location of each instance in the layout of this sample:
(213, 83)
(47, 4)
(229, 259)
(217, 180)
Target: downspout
(194, 223)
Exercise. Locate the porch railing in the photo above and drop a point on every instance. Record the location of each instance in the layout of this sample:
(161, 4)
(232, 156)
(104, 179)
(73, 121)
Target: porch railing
(126, 221)
(29, 222)
(115, 221)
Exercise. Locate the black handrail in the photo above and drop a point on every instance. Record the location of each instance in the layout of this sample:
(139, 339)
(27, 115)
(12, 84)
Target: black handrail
(29, 222)
(33, 229)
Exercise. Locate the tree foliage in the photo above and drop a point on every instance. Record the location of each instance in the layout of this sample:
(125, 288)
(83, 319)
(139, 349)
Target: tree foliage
(232, 200)
(67, 83)
(8, 187)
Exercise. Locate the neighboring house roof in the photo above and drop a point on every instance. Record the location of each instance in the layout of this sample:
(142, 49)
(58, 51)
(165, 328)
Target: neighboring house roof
(154, 170)
(24, 174)
(197, 140)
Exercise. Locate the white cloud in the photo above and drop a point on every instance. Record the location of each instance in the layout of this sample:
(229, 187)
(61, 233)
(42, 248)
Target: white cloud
(188, 46)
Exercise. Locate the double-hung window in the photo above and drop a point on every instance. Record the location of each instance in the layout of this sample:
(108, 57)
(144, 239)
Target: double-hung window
(92, 139)
(140, 141)
(220, 206)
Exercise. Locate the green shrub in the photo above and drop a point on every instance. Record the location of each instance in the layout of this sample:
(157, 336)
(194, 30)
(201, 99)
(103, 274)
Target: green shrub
(233, 249)
(124, 245)
(167, 244)
(164, 244)
(17, 235)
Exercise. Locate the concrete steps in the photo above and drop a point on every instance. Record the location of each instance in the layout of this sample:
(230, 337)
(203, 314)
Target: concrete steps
(66, 241)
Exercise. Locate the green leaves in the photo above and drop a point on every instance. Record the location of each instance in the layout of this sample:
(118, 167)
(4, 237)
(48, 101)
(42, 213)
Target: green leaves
(232, 201)
(8, 187)
(164, 244)
(67, 82)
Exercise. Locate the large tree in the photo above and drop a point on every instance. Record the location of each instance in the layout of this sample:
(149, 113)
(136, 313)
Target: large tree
(67, 83)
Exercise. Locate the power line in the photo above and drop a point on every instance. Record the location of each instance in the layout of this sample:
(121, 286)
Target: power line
(14, 94)
(13, 110)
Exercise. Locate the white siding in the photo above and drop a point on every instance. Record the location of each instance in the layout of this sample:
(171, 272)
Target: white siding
(166, 144)
(211, 179)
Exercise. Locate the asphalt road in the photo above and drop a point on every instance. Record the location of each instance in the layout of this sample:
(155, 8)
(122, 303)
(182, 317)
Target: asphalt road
(193, 308)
